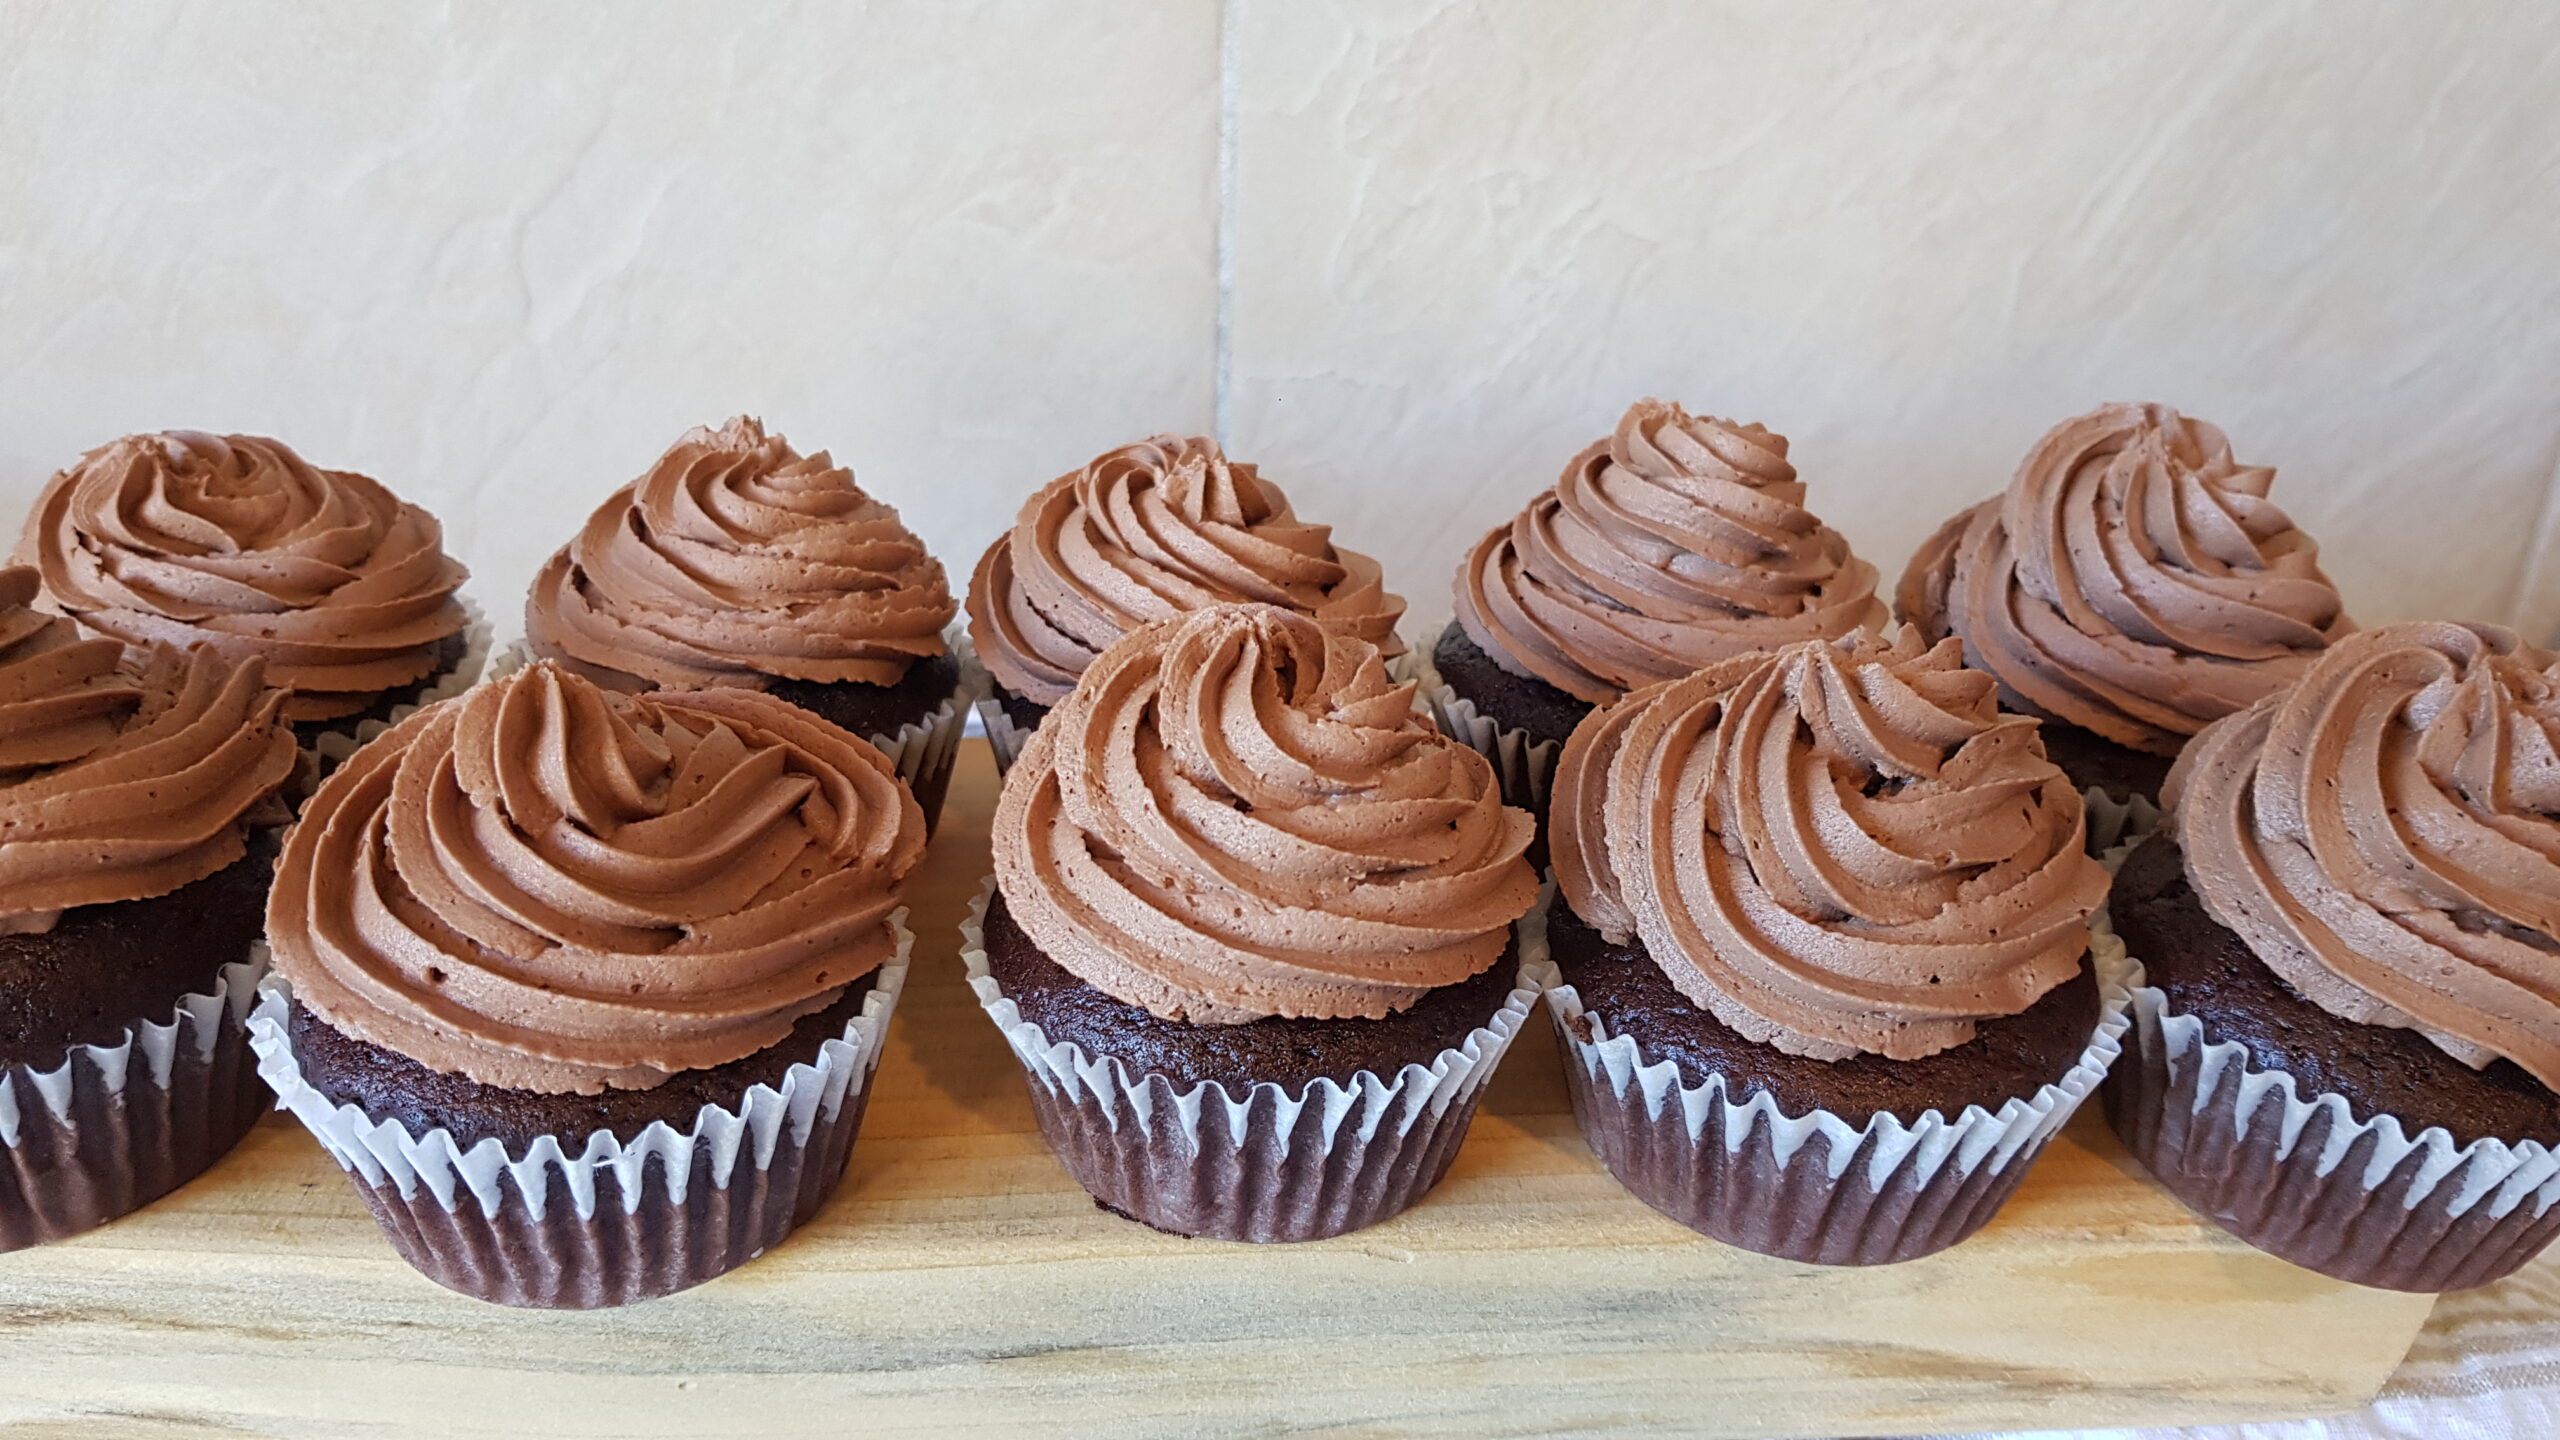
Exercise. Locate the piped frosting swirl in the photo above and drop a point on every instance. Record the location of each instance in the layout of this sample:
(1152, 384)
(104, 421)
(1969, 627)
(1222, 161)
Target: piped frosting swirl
(1677, 542)
(544, 885)
(1837, 848)
(238, 544)
(1146, 532)
(2385, 835)
(2134, 581)
(736, 561)
(1237, 814)
(123, 776)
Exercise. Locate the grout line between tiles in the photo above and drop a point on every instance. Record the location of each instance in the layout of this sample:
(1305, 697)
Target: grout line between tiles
(1222, 340)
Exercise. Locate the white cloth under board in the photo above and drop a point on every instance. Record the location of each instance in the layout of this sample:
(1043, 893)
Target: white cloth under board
(2486, 1367)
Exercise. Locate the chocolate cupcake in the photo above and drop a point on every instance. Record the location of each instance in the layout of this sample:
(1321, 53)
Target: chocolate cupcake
(1824, 949)
(1251, 931)
(138, 807)
(1143, 533)
(584, 989)
(2132, 586)
(2347, 941)
(1675, 543)
(341, 589)
(737, 561)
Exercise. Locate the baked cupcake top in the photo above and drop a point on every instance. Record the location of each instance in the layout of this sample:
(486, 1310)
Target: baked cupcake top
(1237, 814)
(1150, 531)
(2385, 835)
(544, 885)
(1837, 848)
(1678, 541)
(2134, 581)
(736, 560)
(123, 775)
(236, 543)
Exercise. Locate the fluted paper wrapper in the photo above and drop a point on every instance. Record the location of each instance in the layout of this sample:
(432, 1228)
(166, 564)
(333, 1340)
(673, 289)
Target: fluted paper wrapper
(2301, 1178)
(1525, 765)
(1006, 739)
(2116, 824)
(607, 1223)
(924, 751)
(1815, 1187)
(114, 1127)
(1270, 1166)
(334, 746)
(514, 657)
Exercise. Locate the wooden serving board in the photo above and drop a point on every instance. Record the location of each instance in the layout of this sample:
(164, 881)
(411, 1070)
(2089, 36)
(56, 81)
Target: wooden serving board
(960, 1281)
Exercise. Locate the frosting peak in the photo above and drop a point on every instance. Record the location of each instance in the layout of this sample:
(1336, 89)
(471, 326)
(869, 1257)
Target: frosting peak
(122, 777)
(735, 561)
(2134, 580)
(1150, 531)
(548, 886)
(238, 544)
(2385, 835)
(1237, 814)
(1835, 848)
(1677, 542)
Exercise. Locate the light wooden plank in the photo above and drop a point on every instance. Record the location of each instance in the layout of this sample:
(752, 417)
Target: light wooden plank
(961, 1281)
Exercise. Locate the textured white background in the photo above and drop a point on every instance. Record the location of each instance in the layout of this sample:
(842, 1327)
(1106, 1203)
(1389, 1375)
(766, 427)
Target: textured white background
(1911, 239)
(500, 255)
(1409, 256)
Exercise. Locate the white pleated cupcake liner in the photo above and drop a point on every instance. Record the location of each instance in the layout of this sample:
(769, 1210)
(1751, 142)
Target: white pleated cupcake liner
(2302, 1178)
(925, 751)
(1265, 1166)
(1006, 738)
(114, 1127)
(1875, 1192)
(763, 1122)
(335, 745)
(2114, 823)
(1524, 765)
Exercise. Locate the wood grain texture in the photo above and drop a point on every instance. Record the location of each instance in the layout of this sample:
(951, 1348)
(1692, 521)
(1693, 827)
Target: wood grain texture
(960, 1281)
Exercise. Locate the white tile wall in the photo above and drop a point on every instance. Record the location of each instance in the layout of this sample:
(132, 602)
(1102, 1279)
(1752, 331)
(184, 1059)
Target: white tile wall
(1911, 238)
(500, 254)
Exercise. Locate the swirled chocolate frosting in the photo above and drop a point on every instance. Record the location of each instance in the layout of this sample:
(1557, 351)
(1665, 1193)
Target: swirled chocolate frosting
(1677, 542)
(1237, 814)
(737, 561)
(122, 776)
(2386, 836)
(1838, 848)
(2134, 581)
(544, 885)
(238, 544)
(1146, 532)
